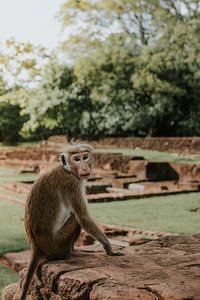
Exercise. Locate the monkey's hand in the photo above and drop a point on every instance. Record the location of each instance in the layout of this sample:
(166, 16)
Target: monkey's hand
(109, 251)
(115, 254)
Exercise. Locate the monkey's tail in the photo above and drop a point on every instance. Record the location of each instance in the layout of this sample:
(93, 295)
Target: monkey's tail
(35, 261)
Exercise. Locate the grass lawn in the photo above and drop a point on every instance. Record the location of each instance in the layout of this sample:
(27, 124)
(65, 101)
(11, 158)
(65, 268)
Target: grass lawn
(11, 175)
(12, 234)
(12, 237)
(6, 277)
(174, 214)
(152, 155)
(13, 194)
(10, 147)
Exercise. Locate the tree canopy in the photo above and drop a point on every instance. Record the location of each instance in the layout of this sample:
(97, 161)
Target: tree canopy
(126, 68)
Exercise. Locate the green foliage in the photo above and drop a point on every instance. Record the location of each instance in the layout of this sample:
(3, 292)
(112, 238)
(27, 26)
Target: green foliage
(133, 69)
(10, 123)
(93, 20)
(107, 75)
(58, 103)
(21, 62)
(2, 86)
(167, 79)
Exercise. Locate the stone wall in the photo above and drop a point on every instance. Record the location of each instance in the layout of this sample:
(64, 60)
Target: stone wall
(172, 144)
(44, 160)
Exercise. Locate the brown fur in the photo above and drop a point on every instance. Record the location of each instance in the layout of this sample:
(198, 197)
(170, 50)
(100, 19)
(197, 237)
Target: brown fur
(51, 191)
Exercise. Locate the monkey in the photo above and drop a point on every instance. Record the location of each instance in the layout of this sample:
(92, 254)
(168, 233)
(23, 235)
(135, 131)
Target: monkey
(56, 210)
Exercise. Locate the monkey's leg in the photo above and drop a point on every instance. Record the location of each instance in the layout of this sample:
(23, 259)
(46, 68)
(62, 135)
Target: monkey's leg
(67, 236)
(75, 237)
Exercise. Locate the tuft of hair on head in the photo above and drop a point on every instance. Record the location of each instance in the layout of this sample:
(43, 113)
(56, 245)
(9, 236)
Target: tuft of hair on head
(76, 147)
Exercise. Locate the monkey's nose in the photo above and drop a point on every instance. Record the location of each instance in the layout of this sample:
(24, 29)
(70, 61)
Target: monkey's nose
(85, 169)
(84, 166)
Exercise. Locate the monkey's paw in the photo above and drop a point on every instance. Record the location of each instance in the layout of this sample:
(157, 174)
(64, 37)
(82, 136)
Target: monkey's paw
(116, 254)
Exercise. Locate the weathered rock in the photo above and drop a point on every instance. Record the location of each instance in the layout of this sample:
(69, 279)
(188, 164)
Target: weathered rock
(167, 268)
(17, 260)
(11, 292)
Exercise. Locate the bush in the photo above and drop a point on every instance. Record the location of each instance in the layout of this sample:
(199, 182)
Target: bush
(10, 123)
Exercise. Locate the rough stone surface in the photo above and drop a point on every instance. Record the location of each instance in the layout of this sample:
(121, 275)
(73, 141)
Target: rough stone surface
(181, 145)
(165, 269)
(17, 260)
(11, 292)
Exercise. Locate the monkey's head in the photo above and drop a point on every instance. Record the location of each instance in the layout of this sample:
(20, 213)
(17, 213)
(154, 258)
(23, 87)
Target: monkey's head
(78, 159)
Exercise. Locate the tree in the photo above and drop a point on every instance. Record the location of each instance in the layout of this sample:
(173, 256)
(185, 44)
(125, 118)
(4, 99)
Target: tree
(91, 22)
(21, 62)
(20, 68)
(2, 86)
(57, 103)
(107, 75)
(133, 70)
(123, 88)
(10, 123)
(168, 83)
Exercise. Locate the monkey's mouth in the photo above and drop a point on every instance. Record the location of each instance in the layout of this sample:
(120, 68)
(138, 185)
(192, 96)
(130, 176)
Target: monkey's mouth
(85, 175)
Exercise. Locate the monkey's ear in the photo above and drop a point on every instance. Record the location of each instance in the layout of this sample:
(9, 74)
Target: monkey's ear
(62, 159)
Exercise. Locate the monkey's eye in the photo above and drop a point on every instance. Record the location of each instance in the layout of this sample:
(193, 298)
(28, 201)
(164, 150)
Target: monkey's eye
(86, 157)
(77, 159)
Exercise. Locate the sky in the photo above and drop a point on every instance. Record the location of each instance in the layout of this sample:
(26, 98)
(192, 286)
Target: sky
(30, 20)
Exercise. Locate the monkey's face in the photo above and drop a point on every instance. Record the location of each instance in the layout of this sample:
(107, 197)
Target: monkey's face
(81, 164)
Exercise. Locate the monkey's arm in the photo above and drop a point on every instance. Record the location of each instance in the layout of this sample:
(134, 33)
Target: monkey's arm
(88, 224)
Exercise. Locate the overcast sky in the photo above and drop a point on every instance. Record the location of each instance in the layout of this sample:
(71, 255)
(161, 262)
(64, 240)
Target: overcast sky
(30, 20)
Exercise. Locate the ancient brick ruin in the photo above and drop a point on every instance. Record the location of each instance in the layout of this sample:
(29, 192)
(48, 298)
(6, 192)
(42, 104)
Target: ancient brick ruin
(167, 268)
(115, 176)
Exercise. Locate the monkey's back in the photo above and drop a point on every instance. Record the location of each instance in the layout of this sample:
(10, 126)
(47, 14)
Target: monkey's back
(43, 205)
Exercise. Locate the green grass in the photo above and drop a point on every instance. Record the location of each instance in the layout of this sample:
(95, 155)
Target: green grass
(10, 147)
(152, 155)
(173, 214)
(11, 175)
(13, 194)
(6, 277)
(12, 233)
